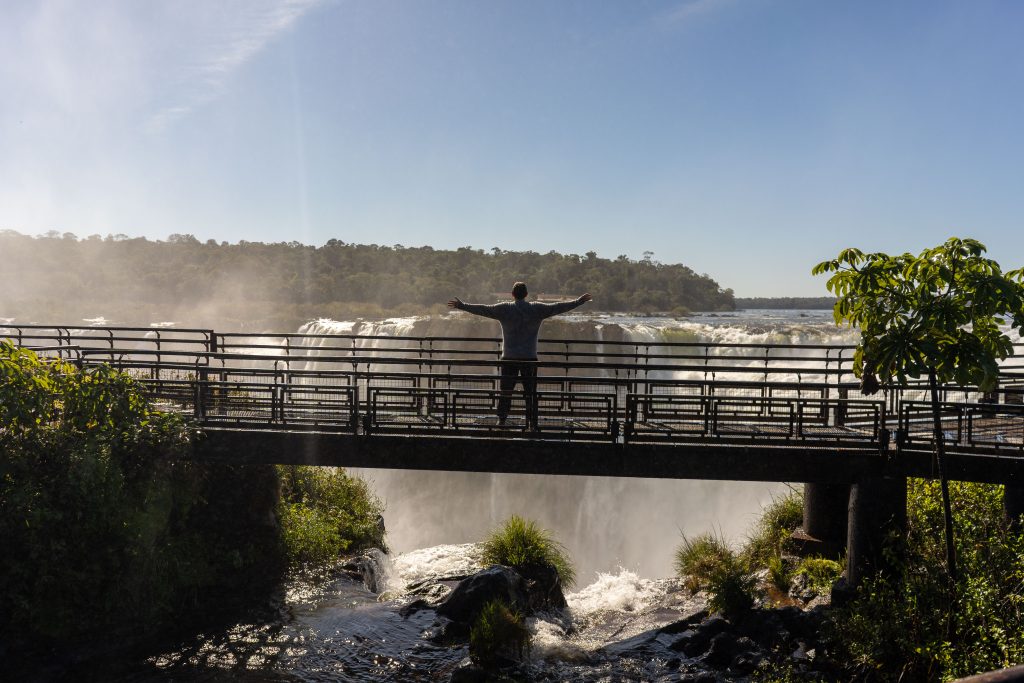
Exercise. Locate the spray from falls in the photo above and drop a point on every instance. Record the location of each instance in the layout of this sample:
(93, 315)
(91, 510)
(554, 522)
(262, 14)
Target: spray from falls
(606, 523)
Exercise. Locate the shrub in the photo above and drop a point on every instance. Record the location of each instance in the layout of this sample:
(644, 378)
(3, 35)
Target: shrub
(498, 633)
(820, 572)
(521, 543)
(707, 562)
(778, 520)
(325, 512)
(780, 573)
(897, 626)
(731, 587)
(697, 559)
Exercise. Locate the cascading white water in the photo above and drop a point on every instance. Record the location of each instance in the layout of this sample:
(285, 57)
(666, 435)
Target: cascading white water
(606, 523)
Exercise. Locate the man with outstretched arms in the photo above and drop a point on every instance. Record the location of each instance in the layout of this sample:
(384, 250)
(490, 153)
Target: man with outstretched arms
(520, 325)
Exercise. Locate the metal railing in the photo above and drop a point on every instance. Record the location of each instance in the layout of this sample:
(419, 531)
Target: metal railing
(663, 392)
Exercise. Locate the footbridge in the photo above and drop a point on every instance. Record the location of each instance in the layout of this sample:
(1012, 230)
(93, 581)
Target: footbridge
(617, 407)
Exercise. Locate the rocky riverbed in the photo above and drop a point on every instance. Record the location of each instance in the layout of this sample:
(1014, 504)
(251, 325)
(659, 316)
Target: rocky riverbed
(405, 618)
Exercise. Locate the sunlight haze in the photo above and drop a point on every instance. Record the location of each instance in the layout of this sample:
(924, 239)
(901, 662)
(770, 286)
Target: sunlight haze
(747, 139)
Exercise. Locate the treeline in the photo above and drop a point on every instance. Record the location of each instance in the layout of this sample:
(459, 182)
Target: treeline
(134, 279)
(798, 303)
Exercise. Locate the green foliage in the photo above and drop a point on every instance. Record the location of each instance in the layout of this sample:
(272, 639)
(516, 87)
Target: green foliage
(521, 543)
(778, 520)
(498, 633)
(707, 562)
(325, 512)
(286, 284)
(106, 525)
(939, 311)
(88, 488)
(697, 558)
(821, 573)
(896, 627)
(780, 573)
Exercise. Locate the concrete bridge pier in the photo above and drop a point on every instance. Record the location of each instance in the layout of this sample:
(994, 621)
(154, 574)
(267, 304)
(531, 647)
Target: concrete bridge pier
(877, 511)
(823, 531)
(1013, 504)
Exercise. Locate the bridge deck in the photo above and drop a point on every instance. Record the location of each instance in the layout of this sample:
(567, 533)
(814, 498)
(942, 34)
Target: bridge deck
(745, 411)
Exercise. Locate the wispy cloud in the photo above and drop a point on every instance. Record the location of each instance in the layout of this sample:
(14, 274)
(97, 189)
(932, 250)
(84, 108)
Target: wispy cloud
(224, 48)
(691, 9)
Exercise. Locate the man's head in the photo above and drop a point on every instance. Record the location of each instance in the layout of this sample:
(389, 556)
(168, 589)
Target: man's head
(519, 290)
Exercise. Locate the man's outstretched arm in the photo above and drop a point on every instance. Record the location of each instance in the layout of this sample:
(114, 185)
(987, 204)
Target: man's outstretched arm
(476, 309)
(562, 307)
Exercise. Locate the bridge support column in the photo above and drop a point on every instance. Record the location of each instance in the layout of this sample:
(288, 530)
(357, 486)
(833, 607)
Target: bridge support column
(877, 511)
(825, 520)
(1013, 504)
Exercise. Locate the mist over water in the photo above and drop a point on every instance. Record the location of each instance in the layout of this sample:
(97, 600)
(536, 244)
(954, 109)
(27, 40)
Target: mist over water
(604, 522)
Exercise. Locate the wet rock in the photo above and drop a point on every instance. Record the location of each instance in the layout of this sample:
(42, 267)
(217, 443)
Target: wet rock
(413, 607)
(368, 569)
(842, 592)
(637, 646)
(543, 587)
(698, 677)
(686, 623)
(766, 627)
(467, 599)
(745, 662)
(721, 651)
(468, 672)
(689, 643)
(802, 653)
(693, 642)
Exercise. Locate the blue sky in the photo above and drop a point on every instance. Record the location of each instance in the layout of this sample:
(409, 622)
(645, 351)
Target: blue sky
(748, 139)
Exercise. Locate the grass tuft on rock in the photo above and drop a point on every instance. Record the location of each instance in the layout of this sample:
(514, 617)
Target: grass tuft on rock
(707, 562)
(499, 633)
(519, 542)
(778, 520)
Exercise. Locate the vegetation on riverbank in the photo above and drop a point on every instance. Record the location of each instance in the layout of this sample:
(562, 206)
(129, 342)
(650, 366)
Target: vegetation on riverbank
(326, 512)
(107, 530)
(896, 626)
(60, 278)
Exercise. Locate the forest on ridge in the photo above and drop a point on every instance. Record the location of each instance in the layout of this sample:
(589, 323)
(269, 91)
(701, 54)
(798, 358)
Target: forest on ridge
(62, 278)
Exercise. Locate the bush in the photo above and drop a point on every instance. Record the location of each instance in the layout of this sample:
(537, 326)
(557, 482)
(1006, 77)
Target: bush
(519, 543)
(897, 626)
(697, 559)
(107, 528)
(94, 503)
(498, 634)
(777, 522)
(325, 512)
(820, 572)
(706, 562)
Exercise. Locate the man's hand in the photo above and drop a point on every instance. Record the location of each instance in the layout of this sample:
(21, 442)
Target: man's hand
(456, 303)
(585, 298)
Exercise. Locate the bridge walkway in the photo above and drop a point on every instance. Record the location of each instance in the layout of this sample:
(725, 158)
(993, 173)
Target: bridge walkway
(782, 412)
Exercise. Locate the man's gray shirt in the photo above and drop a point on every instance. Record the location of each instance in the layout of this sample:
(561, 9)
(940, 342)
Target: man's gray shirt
(520, 323)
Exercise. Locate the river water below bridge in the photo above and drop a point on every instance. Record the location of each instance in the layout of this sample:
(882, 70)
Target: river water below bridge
(337, 630)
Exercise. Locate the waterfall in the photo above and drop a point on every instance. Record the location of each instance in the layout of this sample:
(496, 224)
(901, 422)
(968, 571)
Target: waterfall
(608, 524)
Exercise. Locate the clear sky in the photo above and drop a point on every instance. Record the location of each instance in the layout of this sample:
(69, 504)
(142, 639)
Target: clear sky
(748, 139)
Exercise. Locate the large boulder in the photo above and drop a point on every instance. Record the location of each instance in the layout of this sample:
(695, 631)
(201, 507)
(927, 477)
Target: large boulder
(543, 587)
(464, 603)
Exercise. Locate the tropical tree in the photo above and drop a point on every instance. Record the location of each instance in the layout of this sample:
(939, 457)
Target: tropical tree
(940, 315)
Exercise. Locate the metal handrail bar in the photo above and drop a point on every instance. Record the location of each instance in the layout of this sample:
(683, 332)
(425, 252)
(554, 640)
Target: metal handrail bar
(497, 340)
(311, 350)
(382, 360)
(454, 362)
